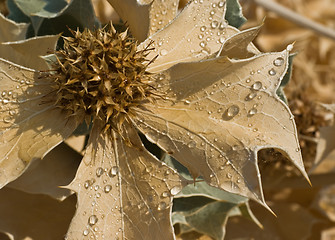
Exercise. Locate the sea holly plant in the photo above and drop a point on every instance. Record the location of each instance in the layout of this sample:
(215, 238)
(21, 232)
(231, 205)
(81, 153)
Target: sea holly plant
(187, 87)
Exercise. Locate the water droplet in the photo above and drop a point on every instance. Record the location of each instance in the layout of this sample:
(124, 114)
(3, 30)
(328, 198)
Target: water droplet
(221, 4)
(12, 112)
(256, 86)
(107, 188)
(92, 220)
(214, 24)
(96, 188)
(88, 183)
(175, 190)
(278, 62)
(114, 171)
(165, 194)
(229, 175)
(7, 119)
(161, 206)
(163, 52)
(192, 144)
(86, 232)
(202, 44)
(255, 129)
(212, 12)
(100, 171)
(167, 172)
(203, 28)
(231, 112)
(297, 149)
(200, 36)
(251, 96)
(272, 72)
(252, 112)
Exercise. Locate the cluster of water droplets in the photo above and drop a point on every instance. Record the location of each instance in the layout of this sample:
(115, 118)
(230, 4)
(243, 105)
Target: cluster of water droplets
(100, 186)
(208, 32)
(16, 89)
(163, 13)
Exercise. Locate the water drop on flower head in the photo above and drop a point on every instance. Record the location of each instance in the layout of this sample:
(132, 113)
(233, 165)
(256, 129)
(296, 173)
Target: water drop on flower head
(214, 24)
(278, 62)
(92, 220)
(231, 112)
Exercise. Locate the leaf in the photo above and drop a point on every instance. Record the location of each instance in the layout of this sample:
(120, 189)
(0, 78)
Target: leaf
(123, 191)
(58, 168)
(28, 52)
(53, 17)
(286, 79)
(217, 114)
(234, 14)
(135, 14)
(41, 8)
(11, 31)
(30, 126)
(203, 34)
(161, 13)
(147, 16)
(208, 218)
(77, 14)
(34, 216)
(239, 45)
(188, 211)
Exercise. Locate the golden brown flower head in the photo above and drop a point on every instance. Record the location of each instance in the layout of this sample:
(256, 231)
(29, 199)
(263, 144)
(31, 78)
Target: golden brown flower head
(102, 74)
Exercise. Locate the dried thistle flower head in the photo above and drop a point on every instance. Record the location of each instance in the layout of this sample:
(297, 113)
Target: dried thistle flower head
(102, 74)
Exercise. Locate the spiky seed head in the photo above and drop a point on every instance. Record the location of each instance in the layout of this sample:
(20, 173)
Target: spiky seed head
(101, 74)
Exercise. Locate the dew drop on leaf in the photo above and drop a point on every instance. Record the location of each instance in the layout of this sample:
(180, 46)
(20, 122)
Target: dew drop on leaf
(113, 172)
(107, 188)
(251, 96)
(278, 62)
(100, 171)
(272, 72)
(256, 86)
(231, 112)
(92, 220)
(252, 112)
(86, 232)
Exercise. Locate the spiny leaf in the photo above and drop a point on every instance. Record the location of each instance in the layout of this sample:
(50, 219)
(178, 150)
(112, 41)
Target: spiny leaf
(147, 16)
(45, 177)
(11, 31)
(203, 34)
(28, 52)
(25, 106)
(209, 217)
(123, 191)
(218, 114)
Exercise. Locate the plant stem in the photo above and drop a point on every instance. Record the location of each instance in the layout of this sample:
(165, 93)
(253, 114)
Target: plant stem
(296, 18)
